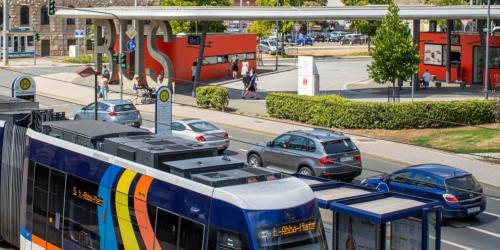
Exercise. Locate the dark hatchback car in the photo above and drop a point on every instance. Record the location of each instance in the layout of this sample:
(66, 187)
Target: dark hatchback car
(458, 191)
(309, 152)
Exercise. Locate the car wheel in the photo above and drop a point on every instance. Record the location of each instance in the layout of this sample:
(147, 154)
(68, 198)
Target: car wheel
(306, 171)
(77, 117)
(254, 160)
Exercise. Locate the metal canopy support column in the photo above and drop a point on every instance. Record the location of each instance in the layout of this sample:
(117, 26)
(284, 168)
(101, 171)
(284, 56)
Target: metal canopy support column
(122, 26)
(5, 48)
(416, 41)
(201, 51)
(139, 51)
(449, 28)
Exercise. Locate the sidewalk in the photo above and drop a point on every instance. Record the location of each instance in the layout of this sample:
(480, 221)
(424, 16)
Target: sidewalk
(486, 172)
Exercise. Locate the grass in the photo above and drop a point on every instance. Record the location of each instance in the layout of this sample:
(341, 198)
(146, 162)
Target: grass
(478, 140)
(84, 59)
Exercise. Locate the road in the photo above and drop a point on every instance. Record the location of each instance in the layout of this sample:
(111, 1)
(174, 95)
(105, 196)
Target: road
(482, 232)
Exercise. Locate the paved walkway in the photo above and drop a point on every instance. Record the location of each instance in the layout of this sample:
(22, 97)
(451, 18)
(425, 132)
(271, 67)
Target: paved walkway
(79, 93)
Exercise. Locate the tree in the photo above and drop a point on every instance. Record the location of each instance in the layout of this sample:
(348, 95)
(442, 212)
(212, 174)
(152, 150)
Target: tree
(191, 26)
(394, 56)
(366, 27)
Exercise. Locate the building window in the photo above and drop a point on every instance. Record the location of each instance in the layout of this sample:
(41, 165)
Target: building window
(70, 21)
(494, 58)
(89, 44)
(1, 16)
(89, 21)
(25, 15)
(44, 15)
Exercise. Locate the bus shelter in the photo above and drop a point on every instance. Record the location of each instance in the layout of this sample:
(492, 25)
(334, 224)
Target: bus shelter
(356, 217)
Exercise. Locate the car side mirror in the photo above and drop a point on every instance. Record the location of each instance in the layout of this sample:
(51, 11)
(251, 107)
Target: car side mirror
(270, 143)
(387, 179)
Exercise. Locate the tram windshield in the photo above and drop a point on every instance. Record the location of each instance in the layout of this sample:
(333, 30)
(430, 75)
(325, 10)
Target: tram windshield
(299, 235)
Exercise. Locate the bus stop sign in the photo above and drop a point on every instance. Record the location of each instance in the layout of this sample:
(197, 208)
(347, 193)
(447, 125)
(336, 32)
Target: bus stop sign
(24, 87)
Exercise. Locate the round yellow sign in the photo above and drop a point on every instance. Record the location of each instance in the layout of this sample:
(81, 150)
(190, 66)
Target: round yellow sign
(164, 95)
(25, 84)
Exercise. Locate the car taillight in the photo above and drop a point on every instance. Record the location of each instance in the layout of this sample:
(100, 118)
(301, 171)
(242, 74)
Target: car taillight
(226, 135)
(450, 198)
(357, 157)
(112, 113)
(200, 138)
(325, 160)
(137, 112)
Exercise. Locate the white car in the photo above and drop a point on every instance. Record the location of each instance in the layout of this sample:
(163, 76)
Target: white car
(201, 131)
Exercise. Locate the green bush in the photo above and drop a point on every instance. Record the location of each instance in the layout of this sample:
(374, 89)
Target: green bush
(339, 112)
(212, 97)
(84, 59)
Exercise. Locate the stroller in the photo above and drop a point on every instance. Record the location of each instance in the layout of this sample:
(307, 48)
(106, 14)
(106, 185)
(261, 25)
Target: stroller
(147, 94)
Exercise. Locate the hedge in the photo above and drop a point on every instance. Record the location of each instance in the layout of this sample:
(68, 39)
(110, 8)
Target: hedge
(212, 97)
(339, 112)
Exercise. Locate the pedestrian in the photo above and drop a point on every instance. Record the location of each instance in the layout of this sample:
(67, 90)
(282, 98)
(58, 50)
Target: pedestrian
(193, 71)
(102, 88)
(235, 69)
(135, 88)
(245, 78)
(98, 87)
(252, 85)
(427, 78)
(105, 72)
(106, 88)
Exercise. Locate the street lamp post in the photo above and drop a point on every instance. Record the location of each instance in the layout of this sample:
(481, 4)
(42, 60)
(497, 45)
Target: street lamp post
(486, 70)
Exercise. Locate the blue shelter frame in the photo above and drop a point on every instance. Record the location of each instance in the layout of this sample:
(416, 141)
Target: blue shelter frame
(387, 211)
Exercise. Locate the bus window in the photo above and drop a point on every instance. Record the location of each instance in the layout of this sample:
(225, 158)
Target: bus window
(167, 227)
(220, 239)
(191, 235)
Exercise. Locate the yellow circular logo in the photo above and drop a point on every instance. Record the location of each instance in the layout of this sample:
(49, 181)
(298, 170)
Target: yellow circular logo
(25, 84)
(164, 95)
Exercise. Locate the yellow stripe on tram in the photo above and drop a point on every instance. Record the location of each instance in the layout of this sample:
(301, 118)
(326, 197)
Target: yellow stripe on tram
(122, 211)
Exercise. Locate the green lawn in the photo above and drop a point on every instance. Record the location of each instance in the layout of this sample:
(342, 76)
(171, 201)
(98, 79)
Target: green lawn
(478, 140)
(84, 59)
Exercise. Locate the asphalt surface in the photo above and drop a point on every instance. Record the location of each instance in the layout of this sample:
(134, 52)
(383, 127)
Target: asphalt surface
(482, 232)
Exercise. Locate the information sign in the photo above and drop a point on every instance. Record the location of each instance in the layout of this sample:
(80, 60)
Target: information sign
(79, 33)
(163, 111)
(131, 45)
(23, 87)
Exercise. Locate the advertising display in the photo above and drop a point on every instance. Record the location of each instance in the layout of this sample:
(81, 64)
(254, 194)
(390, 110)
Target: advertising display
(356, 234)
(433, 54)
(308, 77)
(406, 234)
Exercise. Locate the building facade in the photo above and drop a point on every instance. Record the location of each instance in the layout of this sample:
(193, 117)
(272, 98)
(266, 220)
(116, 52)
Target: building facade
(57, 34)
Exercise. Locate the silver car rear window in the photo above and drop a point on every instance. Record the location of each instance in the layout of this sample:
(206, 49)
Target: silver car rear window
(124, 107)
(339, 146)
(201, 127)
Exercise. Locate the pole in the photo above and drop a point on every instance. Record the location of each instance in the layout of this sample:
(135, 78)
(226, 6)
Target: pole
(276, 63)
(95, 95)
(6, 20)
(34, 54)
(486, 65)
(201, 52)
(120, 51)
(416, 41)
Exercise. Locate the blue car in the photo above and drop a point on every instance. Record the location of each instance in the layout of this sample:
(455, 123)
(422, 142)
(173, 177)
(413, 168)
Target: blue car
(458, 191)
(304, 40)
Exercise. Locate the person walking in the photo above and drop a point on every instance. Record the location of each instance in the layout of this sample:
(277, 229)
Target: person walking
(427, 78)
(105, 72)
(252, 85)
(193, 72)
(135, 88)
(102, 87)
(235, 69)
(245, 78)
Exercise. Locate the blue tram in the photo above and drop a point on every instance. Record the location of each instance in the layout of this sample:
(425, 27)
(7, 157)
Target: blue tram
(76, 195)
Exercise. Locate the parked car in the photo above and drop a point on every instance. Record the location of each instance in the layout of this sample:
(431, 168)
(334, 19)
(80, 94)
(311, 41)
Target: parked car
(309, 152)
(304, 40)
(335, 37)
(320, 37)
(117, 111)
(352, 39)
(270, 46)
(201, 131)
(459, 192)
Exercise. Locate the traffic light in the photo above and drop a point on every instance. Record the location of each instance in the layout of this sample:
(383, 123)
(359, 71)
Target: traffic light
(114, 58)
(123, 61)
(36, 36)
(52, 7)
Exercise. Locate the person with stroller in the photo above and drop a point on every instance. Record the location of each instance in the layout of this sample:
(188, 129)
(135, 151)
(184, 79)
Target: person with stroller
(252, 85)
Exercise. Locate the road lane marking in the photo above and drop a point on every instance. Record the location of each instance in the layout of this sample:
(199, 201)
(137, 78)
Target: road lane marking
(453, 244)
(243, 150)
(492, 214)
(484, 231)
(495, 199)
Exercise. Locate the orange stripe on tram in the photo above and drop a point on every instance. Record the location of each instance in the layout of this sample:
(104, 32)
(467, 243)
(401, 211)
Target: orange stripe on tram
(141, 213)
(39, 241)
(52, 247)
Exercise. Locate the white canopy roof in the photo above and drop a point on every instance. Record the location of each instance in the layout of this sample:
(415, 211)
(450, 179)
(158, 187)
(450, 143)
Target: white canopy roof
(278, 13)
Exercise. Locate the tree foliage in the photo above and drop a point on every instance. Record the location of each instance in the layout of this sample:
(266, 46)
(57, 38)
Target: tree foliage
(394, 56)
(190, 26)
(367, 27)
